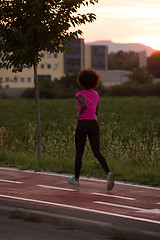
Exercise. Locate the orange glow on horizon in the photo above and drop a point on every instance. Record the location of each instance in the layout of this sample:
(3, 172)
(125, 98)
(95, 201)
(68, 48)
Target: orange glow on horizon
(150, 41)
(154, 46)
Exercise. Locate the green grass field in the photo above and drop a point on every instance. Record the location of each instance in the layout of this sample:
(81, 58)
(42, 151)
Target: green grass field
(130, 137)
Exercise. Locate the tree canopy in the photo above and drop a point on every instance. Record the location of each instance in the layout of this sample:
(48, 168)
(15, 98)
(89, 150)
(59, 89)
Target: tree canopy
(141, 75)
(154, 64)
(123, 60)
(30, 26)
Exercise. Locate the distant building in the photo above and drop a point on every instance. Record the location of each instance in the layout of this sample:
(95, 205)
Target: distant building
(56, 64)
(113, 77)
(142, 59)
(50, 67)
(74, 59)
(96, 57)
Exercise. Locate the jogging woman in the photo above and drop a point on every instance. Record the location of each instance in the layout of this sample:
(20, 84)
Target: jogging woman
(87, 125)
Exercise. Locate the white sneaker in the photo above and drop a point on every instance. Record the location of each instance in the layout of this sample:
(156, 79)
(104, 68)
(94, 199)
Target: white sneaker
(72, 181)
(110, 181)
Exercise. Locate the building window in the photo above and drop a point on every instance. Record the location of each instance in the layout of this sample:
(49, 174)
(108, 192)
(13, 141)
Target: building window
(48, 66)
(1, 79)
(22, 79)
(42, 55)
(42, 66)
(15, 80)
(6, 79)
(28, 79)
(48, 55)
(55, 55)
(55, 66)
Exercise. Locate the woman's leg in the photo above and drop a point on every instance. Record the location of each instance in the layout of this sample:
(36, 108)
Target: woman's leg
(94, 139)
(80, 140)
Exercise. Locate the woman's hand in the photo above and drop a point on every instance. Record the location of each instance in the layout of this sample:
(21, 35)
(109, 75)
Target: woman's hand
(77, 116)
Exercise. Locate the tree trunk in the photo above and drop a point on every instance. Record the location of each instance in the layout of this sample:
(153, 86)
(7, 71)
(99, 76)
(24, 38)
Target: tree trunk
(36, 84)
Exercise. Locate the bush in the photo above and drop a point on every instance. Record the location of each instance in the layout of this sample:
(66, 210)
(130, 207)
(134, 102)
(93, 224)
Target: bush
(28, 93)
(130, 89)
(65, 87)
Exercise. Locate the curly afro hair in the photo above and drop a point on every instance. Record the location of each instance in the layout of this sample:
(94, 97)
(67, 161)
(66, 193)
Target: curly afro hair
(88, 78)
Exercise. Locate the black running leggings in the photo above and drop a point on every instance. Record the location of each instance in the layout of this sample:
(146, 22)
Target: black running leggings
(88, 128)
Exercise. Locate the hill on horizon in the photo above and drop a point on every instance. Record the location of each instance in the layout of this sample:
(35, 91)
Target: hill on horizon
(126, 47)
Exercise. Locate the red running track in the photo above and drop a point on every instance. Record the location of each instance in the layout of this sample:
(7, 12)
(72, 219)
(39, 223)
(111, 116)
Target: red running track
(125, 200)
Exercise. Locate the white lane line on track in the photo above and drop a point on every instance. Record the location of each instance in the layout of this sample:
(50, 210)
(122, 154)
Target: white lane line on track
(84, 178)
(154, 211)
(58, 188)
(9, 181)
(118, 205)
(113, 196)
(80, 208)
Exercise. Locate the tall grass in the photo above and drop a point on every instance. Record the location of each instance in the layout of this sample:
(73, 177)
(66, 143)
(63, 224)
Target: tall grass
(130, 137)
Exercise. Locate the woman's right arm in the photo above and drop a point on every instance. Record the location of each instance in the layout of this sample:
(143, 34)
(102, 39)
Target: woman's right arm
(97, 109)
(83, 107)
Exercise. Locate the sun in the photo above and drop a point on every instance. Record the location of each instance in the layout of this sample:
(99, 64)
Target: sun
(152, 41)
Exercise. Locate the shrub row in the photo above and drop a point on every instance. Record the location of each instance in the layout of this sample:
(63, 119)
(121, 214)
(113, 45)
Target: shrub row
(58, 90)
(130, 89)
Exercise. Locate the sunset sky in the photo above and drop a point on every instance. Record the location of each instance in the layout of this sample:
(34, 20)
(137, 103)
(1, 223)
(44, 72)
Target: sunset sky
(125, 21)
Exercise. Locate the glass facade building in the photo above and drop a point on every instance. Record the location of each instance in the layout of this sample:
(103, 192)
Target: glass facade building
(74, 59)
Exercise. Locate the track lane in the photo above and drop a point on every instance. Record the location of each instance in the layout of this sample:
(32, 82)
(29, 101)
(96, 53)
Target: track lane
(139, 202)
